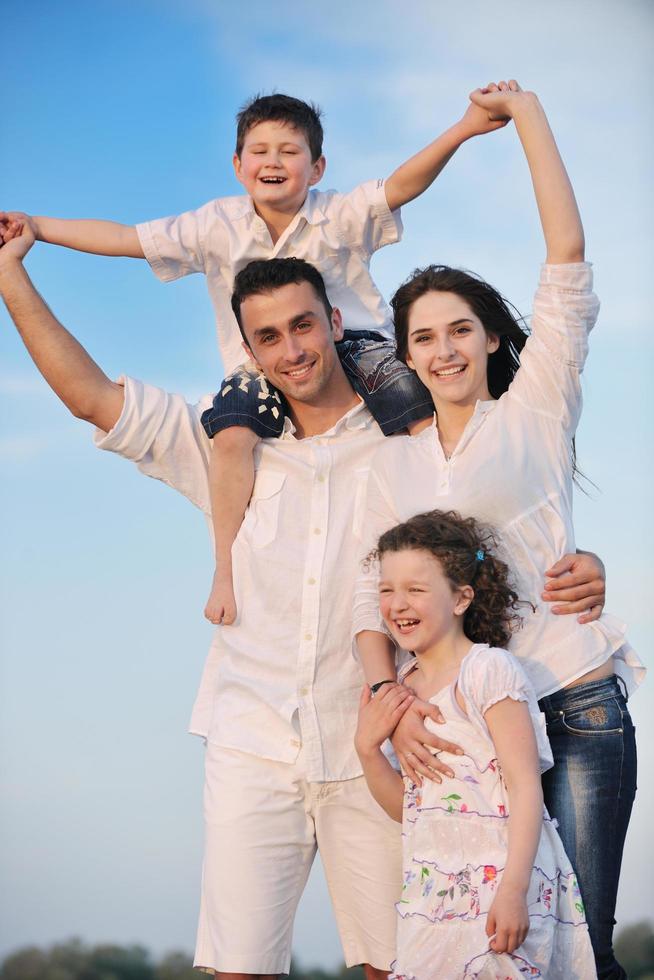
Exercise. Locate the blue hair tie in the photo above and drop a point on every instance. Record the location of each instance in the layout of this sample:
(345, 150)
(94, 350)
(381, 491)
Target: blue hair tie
(480, 555)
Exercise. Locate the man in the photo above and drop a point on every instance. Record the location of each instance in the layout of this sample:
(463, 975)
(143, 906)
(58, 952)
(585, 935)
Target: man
(278, 699)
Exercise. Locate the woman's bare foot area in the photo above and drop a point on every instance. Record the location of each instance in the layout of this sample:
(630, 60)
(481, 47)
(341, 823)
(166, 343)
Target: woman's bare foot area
(221, 604)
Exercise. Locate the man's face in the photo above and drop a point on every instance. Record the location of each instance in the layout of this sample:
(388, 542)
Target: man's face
(291, 339)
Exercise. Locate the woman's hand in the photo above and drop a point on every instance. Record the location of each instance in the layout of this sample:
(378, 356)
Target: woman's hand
(379, 715)
(508, 920)
(577, 583)
(500, 101)
(411, 741)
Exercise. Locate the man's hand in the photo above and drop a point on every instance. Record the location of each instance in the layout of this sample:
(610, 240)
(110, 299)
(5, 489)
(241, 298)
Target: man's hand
(12, 222)
(577, 583)
(411, 740)
(379, 715)
(18, 245)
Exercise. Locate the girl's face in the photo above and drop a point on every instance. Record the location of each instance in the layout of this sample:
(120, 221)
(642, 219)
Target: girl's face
(419, 604)
(448, 348)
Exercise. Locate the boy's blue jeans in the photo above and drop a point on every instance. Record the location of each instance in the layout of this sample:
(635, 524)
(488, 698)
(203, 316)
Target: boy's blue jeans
(590, 791)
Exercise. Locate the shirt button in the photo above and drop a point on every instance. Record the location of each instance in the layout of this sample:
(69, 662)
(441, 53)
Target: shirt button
(308, 636)
(317, 530)
(295, 741)
(304, 691)
(311, 581)
(321, 479)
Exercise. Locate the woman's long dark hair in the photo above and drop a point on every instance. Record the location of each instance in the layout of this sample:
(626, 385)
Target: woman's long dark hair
(497, 315)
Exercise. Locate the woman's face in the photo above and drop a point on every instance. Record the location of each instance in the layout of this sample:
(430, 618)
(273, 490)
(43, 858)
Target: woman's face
(448, 348)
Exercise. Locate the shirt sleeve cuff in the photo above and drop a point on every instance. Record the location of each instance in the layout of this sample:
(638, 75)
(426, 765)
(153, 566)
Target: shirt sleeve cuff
(390, 221)
(123, 438)
(571, 276)
(156, 263)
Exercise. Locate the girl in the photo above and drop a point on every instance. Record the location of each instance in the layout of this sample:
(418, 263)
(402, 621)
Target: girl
(488, 890)
(501, 449)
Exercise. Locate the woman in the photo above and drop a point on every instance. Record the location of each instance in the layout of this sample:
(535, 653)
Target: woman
(501, 449)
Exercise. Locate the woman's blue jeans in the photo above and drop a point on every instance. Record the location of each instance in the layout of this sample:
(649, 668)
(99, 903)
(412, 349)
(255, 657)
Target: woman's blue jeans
(590, 791)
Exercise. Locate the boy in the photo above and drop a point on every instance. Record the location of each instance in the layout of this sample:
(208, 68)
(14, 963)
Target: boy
(279, 159)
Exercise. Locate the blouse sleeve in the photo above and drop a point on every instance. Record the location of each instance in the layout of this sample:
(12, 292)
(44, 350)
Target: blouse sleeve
(488, 676)
(565, 311)
(379, 517)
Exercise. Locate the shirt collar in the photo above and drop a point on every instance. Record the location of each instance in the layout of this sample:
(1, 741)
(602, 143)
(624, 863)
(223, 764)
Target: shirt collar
(311, 210)
(358, 417)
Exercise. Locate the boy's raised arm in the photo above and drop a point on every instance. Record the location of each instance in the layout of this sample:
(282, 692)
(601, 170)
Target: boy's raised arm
(85, 235)
(420, 171)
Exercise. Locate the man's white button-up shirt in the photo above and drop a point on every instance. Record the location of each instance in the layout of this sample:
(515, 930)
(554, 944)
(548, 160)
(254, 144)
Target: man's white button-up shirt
(283, 674)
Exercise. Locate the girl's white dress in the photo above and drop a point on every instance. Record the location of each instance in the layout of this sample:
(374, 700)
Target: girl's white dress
(455, 840)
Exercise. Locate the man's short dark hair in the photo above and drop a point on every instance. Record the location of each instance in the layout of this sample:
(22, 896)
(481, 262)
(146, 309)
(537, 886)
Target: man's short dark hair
(266, 275)
(304, 116)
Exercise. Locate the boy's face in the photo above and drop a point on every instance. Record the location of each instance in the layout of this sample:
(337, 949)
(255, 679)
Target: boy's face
(275, 166)
(291, 339)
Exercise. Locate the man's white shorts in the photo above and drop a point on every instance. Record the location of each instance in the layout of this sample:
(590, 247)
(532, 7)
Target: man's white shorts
(263, 822)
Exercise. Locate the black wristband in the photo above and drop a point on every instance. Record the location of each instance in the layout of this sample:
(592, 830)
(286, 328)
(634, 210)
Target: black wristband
(375, 687)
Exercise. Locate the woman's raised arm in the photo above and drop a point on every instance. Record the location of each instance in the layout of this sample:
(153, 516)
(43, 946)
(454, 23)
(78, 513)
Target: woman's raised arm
(559, 215)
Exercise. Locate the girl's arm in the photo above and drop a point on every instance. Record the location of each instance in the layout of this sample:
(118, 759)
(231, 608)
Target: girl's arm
(513, 735)
(85, 235)
(378, 717)
(559, 215)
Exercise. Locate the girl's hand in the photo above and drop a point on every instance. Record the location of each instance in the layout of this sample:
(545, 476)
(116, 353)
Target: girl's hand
(500, 101)
(508, 921)
(379, 716)
(476, 121)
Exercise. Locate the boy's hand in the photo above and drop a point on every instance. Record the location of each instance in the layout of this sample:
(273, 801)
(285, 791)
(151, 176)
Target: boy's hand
(477, 120)
(508, 920)
(18, 245)
(500, 101)
(12, 223)
(379, 715)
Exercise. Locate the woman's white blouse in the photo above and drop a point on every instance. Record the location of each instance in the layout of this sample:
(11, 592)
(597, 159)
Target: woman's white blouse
(512, 469)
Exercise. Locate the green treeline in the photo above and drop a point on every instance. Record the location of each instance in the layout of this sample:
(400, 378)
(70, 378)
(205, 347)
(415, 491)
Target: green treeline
(73, 960)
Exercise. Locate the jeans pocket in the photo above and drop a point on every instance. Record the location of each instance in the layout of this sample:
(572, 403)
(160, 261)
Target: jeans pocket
(594, 719)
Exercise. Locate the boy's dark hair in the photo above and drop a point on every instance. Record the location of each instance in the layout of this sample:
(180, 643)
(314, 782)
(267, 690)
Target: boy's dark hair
(496, 314)
(463, 547)
(304, 116)
(266, 275)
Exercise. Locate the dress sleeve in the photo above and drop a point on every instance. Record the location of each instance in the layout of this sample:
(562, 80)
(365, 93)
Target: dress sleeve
(565, 311)
(174, 246)
(364, 220)
(379, 516)
(163, 435)
(488, 676)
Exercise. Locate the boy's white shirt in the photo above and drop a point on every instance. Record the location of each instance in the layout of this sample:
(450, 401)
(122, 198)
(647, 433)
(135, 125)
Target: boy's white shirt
(283, 673)
(338, 233)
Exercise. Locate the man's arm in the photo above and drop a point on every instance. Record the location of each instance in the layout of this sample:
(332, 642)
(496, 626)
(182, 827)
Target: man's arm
(71, 373)
(85, 235)
(414, 177)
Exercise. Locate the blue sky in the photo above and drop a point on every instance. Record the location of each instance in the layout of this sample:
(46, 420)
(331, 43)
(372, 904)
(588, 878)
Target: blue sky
(125, 110)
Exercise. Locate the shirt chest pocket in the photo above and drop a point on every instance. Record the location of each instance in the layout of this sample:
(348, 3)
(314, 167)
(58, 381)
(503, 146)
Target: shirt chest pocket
(261, 519)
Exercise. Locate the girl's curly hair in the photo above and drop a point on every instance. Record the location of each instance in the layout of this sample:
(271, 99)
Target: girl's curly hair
(463, 547)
